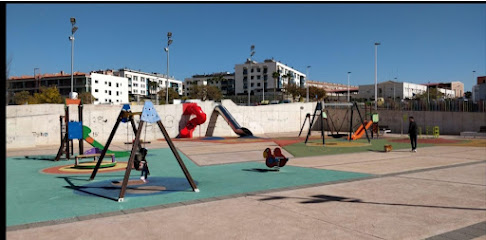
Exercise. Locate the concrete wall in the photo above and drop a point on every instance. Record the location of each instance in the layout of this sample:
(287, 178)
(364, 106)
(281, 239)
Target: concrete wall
(37, 125)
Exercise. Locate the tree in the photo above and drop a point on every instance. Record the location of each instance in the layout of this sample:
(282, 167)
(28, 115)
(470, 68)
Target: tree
(275, 76)
(23, 97)
(206, 93)
(314, 92)
(294, 90)
(86, 98)
(432, 93)
(153, 87)
(48, 95)
(173, 94)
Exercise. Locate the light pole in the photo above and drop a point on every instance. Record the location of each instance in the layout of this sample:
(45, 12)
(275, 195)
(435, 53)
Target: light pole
(35, 79)
(394, 84)
(307, 85)
(72, 95)
(169, 41)
(252, 52)
(348, 85)
(376, 75)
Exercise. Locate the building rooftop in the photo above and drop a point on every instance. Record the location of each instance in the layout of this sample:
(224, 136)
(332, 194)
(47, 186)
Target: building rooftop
(47, 75)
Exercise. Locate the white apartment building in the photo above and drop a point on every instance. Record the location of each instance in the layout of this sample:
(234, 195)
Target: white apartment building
(109, 89)
(391, 89)
(138, 82)
(261, 76)
(226, 83)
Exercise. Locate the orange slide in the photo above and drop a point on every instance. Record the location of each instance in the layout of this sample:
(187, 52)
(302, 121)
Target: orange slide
(359, 133)
(192, 109)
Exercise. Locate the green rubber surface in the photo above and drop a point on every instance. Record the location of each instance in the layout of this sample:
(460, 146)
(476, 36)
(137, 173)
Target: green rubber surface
(376, 145)
(33, 196)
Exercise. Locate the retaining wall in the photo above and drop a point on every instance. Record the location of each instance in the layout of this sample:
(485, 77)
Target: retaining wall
(37, 125)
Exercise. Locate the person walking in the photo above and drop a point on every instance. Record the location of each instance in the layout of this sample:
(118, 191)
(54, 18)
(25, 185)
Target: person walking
(412, 132)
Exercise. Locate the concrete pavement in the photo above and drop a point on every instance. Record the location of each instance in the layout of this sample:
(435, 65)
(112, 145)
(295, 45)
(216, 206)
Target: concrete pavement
(438, 192)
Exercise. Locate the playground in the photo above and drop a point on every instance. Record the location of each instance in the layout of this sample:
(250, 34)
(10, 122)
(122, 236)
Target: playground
(241, 187)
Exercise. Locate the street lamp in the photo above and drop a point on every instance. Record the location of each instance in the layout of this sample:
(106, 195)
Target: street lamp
(348, 85)
(376, 75)
(36, 80)
(72, 94)
(169, 41)
(307, 85)
(252, 52)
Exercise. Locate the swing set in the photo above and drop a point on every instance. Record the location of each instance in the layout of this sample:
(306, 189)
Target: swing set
(324, 114)
(137, 155)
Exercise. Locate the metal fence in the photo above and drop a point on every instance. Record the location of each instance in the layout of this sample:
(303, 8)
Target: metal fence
(452, 105)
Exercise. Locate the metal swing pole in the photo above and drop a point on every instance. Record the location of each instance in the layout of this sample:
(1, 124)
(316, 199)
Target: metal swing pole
(130, 162)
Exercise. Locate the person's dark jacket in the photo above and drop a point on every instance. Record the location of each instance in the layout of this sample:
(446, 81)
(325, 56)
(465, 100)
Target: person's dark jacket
(412, 129)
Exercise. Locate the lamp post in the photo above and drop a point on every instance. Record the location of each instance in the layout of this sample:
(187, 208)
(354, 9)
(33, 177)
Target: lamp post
(169, 41)
(376, 75)
(394, 99)
(35, 79)
(252, 52)
(307, 85)
(348, 85)
(428, 93)
(72, 94)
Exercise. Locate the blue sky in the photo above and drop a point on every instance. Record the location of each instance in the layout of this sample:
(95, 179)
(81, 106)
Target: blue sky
(419, 42)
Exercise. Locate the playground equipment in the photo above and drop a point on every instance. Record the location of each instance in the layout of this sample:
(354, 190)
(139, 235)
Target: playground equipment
(361, 130)
(322, 115)
(223, 112)
(275, 160)
(148, 115)
(93, 153)
(192, 109)
(70, 130)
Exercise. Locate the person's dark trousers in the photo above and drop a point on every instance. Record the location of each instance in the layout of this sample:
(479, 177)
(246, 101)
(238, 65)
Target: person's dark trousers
(413, 141)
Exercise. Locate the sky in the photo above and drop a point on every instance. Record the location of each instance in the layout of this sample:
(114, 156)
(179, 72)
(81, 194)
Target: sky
(420, 43)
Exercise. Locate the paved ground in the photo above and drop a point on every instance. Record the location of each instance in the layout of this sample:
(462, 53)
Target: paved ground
(438, 193)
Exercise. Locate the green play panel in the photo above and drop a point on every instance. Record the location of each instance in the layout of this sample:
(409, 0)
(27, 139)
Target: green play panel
(33, 196)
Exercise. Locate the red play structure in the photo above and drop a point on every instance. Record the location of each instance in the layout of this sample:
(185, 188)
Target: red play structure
(192, 109)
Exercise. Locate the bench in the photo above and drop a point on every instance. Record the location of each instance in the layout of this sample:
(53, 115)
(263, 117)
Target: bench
(94, 156)
(385, 129)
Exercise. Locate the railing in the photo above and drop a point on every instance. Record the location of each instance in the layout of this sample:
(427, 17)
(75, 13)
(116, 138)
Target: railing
(441, 106)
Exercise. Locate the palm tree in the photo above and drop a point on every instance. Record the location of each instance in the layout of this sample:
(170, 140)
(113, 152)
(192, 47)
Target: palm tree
(275, 76)
(152, 87)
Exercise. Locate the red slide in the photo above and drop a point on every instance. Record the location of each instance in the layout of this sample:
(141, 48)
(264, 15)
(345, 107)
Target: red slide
(192, 109)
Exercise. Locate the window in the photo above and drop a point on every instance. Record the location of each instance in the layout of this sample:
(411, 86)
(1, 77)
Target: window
(142, 79)
(252, 69)
(117, 84)
(135, 84)
(106, 82)
(117, 93)
(135, 91)
(135, 78)
(142, 85)
(258, 84)
(96, 81)
(106, 91)
(252, 84)
(258, 69)
(109, 92)
(109, 84)
(252, 77)
(258, 77)
(142, 92)
(96, 90)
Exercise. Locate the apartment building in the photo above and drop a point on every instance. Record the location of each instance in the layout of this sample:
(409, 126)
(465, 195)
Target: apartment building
(225, 81)
(391, 89)
(259, 75)
(32, 84)
(109, 89)
(479, 90)
(145, 84)
(456, 89)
